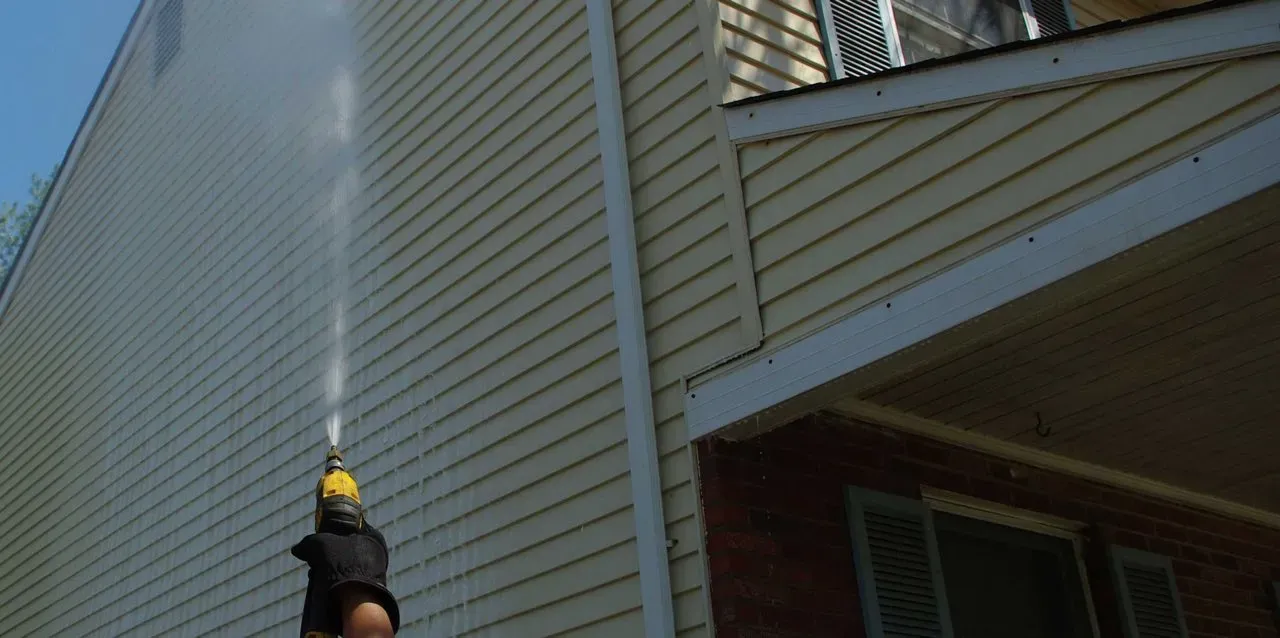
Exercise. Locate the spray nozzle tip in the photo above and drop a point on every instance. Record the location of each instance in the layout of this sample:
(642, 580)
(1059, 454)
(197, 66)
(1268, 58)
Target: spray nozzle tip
(333, 459)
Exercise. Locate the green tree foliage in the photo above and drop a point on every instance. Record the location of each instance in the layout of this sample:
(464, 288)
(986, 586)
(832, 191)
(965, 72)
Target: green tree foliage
(16, 219)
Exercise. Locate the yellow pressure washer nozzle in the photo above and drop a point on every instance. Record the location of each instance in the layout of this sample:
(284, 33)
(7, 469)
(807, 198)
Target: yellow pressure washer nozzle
(338, 508)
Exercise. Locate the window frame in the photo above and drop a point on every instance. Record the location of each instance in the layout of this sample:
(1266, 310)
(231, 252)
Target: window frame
(937, 500)
(892, 39)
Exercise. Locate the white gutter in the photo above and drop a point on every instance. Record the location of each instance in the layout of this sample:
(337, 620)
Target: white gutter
(108, 86)
(633, 352)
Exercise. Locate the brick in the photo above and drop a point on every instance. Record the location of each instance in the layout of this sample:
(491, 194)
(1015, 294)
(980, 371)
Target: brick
(1163, 547)
(1195, 554)
(928, 452)
(1129, 539)
(1247, 582)
(1225, 561)
(1245, 631)
(781, 561)
(990, 490)
(755, 590)
(1170, 531)
(724, 516)
(1217, 576)
(749, 542)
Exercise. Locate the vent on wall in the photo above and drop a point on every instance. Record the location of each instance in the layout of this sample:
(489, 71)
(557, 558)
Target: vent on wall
(167, 34)
(862, 37)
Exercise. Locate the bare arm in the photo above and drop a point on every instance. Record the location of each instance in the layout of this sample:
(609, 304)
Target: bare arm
(363, 616)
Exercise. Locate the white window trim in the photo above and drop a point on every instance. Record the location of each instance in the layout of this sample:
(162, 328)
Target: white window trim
(1198, 38)
(1025, 520)
(962, 505)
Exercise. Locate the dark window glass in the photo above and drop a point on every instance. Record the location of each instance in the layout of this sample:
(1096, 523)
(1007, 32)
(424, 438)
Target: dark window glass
(1008, 583)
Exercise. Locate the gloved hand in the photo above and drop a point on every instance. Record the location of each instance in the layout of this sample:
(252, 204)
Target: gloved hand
(355, 560)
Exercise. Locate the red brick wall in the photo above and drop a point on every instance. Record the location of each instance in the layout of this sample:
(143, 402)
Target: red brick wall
(781, 562)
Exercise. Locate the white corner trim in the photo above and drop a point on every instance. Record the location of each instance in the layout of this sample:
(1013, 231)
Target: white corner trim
(1220, 174)
(633, 352)
(898, 420)
(124, 51)
(714, 59)
(1189, 40)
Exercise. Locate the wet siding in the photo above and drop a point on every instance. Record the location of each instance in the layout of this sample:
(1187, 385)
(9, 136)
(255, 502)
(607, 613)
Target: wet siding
(172, 334)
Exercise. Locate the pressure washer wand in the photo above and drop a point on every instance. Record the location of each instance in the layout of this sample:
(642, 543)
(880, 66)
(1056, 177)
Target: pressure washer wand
(338, 508)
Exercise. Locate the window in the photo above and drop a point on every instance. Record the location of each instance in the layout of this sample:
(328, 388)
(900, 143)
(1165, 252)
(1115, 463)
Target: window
(866, 36)
(168, 35)
(1004, 582)
(955, 567)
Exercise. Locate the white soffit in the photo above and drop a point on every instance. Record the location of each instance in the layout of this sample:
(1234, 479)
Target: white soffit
(1236, 167)
(1230, 32)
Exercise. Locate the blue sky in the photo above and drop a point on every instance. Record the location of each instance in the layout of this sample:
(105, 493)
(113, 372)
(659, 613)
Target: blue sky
(53, 54)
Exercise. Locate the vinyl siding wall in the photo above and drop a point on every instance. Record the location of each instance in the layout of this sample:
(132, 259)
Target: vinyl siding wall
(166, 352)
(771, 45)
(842, 218)
(693, 312)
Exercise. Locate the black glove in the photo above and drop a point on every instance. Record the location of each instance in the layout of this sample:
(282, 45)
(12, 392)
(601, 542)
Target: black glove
(358, 559)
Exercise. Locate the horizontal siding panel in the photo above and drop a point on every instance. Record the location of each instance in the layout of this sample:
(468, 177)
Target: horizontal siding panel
(771, 45)
(174, 331)
(847, 216)
(687, 282)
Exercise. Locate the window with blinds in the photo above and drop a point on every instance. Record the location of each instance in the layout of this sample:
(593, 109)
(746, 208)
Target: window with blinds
(866, 36)
(943, 574)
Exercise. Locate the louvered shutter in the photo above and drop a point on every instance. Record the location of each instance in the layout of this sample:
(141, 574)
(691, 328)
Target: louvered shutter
(1052, 16)
(1148, 594)
(899, 575)
(856, 35)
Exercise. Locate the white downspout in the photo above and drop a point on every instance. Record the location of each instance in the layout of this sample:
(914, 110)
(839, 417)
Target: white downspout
(633, 353)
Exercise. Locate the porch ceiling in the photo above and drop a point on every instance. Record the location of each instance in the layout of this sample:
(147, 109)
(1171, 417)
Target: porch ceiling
(1162, 362)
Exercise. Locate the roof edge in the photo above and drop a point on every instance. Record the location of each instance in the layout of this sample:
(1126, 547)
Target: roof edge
(106, 87)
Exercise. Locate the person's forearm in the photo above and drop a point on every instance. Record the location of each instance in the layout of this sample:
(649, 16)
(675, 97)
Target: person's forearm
(363, 616)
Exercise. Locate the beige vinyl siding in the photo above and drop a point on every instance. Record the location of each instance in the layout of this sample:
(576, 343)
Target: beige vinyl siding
(688, 277)
(771, 45)
(168, 345)
(841, 218)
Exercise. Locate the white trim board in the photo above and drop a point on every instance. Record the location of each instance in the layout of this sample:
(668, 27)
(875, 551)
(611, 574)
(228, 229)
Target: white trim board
(128, 43)
(1227, 171)
(656, 602)
(978, 442)
(1231, 32)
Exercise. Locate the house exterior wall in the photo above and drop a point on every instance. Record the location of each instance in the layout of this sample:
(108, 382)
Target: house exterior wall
(696, 286)
(840, 218)
(781, 557)
(771, 45)
(172, 334)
